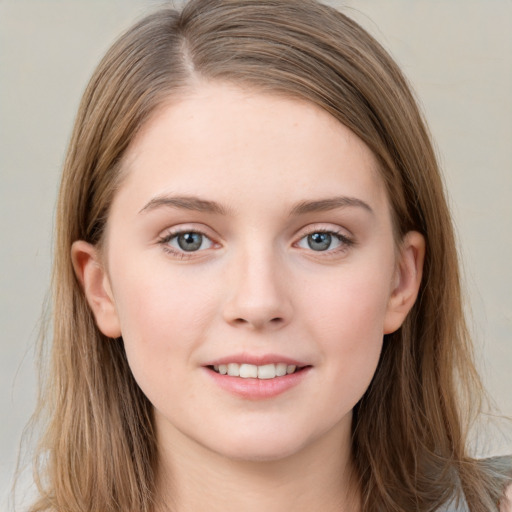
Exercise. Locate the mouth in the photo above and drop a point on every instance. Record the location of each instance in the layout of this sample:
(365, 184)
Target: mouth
(252, 371)
(257, 377)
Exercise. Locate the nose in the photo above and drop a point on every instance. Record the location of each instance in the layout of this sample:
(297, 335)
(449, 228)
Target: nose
(258, 294)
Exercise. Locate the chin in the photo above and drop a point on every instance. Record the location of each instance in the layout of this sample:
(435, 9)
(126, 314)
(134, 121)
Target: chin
(261, 446)
(260, 453)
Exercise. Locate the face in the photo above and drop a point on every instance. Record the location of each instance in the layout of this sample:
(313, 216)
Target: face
(251, 235)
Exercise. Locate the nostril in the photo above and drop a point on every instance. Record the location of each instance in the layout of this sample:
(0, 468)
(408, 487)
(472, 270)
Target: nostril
(273, 321)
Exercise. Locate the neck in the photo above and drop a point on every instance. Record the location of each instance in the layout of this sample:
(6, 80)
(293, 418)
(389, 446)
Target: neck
(318, 477)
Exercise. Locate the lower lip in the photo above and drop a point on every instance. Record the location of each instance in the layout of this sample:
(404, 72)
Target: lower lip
(258, 389)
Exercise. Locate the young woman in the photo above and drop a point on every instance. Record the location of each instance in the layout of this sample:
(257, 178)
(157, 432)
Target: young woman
(256, 288)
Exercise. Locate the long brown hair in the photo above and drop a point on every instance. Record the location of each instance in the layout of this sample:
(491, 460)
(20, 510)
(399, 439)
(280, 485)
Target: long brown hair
(98, 452)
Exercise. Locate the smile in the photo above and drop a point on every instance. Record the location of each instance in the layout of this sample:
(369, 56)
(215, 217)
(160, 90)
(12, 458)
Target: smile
(261, 381)
(252, 371)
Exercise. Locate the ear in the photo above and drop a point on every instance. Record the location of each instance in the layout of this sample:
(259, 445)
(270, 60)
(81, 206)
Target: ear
(96, 285)
(407, 280)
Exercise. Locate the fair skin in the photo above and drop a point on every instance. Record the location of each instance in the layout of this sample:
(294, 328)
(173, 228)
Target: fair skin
(506, 502)
(251, 229)
(506, 505)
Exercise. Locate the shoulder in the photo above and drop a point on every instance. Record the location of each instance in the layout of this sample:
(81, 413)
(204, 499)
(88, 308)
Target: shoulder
(506, 503)
(502, 468)
(498, 470)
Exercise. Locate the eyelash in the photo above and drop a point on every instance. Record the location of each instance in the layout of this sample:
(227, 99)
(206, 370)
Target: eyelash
(345, 242)
(164, 242)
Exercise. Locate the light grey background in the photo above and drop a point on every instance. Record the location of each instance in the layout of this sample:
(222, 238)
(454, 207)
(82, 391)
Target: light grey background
(457, 54)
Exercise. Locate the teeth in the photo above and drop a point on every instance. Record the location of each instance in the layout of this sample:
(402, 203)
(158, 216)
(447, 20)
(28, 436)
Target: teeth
(251, 371)
(233, 370)
(248, 371)
(281, 369)
(267, 371)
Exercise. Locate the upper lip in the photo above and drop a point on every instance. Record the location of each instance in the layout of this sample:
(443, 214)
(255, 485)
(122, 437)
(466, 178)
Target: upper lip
(257, 360)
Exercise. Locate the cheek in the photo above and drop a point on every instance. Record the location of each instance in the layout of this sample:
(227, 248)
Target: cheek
(150, 299)
(351, 305)
(163, 319)
(354, 332)
(347, 320)
(162, 327)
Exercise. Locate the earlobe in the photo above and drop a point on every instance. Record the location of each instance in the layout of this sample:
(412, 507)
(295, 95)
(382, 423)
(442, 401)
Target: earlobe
(96, 285)
(406, 282)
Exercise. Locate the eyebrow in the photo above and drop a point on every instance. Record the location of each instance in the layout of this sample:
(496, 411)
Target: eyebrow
(332, 203)
(185, 203)
(301, 208)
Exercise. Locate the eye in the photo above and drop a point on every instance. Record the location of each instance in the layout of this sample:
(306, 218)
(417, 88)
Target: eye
(187, 241)
(320, 241)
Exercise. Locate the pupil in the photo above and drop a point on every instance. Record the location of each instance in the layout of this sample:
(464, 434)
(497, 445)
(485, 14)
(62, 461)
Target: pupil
(190, 241)
(319, 241)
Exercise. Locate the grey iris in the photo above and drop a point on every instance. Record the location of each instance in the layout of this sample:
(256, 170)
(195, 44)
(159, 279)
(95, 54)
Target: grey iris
(190, 241)
(319, 241)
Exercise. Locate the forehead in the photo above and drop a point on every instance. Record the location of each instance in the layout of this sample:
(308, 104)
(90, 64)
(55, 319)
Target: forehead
(237, 144)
